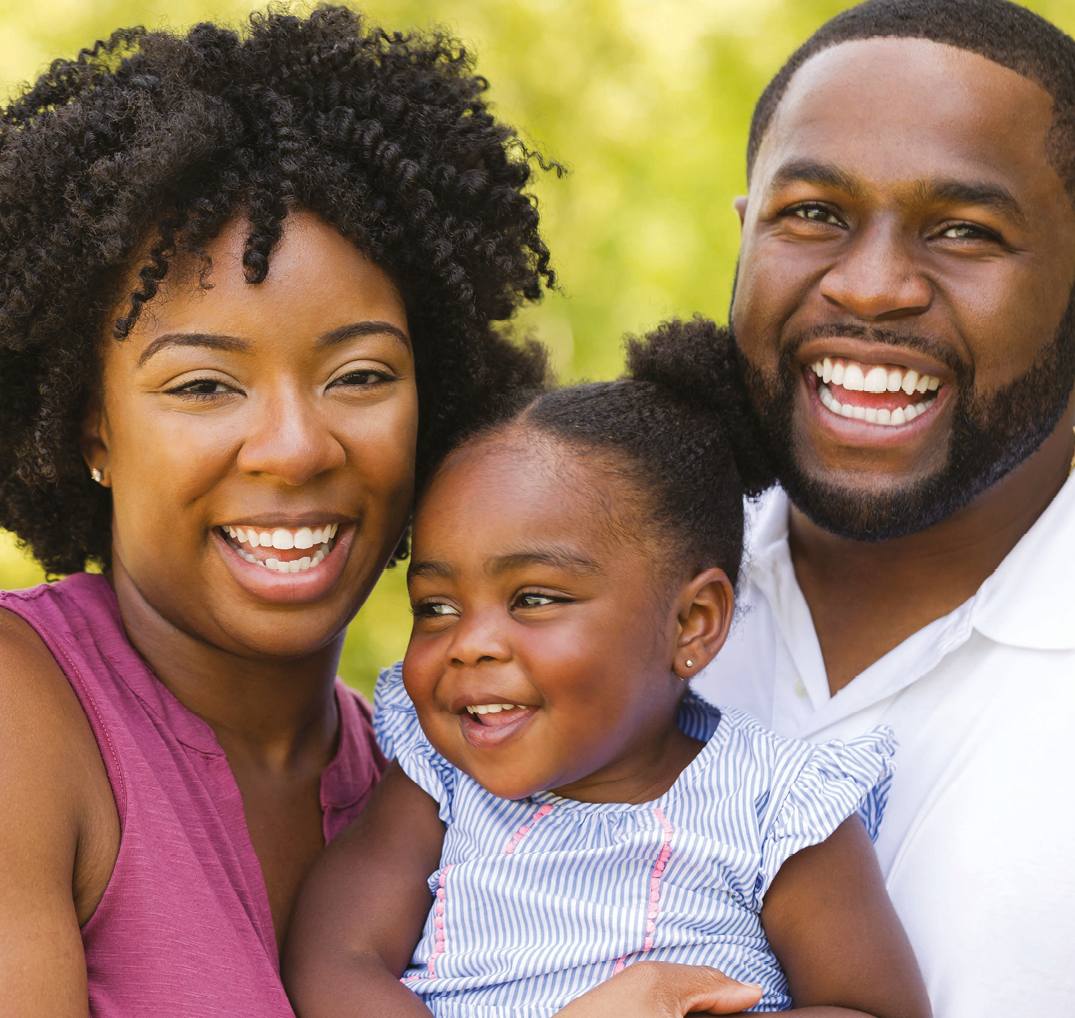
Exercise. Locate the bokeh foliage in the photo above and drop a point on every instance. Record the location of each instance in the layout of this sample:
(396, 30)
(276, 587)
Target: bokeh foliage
(647, 102)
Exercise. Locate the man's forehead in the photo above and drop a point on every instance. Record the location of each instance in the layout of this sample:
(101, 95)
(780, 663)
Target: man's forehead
(911, 108)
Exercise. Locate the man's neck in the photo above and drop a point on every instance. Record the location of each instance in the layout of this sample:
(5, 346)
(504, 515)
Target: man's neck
(866, 599)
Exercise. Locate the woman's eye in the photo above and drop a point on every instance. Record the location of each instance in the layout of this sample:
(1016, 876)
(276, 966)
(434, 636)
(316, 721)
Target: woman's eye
(362, 378)
(200, 387)
(434, 610)
(817, 214)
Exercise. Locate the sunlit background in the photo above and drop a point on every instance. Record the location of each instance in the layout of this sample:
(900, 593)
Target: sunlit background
(647, 102)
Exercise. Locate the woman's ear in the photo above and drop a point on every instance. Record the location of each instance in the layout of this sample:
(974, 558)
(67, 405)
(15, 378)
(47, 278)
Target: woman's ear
(706, 605)
(94, 442)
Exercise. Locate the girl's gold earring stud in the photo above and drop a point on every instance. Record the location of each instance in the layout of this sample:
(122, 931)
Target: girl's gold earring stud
(96, 474)
(690, 663)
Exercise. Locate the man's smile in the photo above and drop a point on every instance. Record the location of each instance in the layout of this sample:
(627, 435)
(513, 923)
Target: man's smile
(883, 394)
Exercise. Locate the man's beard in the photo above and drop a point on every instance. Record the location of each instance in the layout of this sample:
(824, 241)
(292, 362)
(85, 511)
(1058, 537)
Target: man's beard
(991, 435)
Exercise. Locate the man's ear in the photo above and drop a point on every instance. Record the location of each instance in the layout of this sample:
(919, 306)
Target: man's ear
(94, 440)
(740, 206)
(706, 605)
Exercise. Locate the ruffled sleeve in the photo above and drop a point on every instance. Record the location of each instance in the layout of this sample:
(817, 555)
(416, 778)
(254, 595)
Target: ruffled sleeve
(395, 724)
(837, 780)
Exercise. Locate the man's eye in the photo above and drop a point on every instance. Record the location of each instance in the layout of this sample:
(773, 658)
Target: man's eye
(816, 214)
(434, 609)
(965, 231)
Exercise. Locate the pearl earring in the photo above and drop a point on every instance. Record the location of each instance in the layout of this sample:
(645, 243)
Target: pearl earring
(96, 474)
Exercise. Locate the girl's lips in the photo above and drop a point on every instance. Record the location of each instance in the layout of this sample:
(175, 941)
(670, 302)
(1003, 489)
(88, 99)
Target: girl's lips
(497, 730)
(288, 588)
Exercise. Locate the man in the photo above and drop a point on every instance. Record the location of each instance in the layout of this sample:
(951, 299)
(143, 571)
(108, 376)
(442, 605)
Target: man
(905, 308)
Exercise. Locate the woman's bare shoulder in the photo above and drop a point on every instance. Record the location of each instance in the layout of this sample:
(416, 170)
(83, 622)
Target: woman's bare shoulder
(54, 776)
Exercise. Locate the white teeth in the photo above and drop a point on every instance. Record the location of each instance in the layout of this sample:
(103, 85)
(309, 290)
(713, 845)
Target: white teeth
(923, 383)
(898, 416)
(909, 413)
(895, 380)
(818, 369)
(884, 416)
(304, 538)
(283, 540)
(934, 383)
(876, 380)
(910, 380)
(264, 539)
(491, 708)
(826, 373)
(854, 380)
(901, 415)
(837, 374)
(871, 415)
(847, 410)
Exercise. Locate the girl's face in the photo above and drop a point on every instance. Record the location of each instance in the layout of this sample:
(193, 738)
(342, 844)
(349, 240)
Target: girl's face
(529, 597)
(259, 442)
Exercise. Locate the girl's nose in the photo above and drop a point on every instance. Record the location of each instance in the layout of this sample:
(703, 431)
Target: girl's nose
(479, 638)
(290, 441)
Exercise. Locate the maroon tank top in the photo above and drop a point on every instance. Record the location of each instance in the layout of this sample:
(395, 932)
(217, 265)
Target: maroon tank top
(184, 928)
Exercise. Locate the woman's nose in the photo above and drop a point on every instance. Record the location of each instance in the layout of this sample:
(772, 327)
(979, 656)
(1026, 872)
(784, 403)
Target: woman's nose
(878, 278)
(290, 441)
(479, 638)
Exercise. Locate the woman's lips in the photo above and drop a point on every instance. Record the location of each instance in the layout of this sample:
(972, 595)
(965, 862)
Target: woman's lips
(271, 584)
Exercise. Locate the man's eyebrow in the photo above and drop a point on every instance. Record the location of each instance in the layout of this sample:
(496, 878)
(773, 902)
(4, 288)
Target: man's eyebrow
(555, 558)
(970, 192)
(368, 328)
(229, 344)
(809, 171)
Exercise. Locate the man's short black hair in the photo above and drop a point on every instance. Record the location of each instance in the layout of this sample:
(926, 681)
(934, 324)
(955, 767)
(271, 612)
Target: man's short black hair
(137, 153)
(1000, 31)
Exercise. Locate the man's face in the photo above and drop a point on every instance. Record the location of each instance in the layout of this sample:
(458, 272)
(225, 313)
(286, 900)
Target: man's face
(903, 293)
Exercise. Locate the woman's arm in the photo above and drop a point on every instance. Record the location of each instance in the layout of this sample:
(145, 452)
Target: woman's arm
(833, 928)
(362, 907)
(59, 835)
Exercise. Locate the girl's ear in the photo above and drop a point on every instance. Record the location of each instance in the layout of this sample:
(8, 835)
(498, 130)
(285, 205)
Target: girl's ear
(706, 605)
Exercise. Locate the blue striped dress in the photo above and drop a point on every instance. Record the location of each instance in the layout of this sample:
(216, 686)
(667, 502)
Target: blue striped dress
(538, 900)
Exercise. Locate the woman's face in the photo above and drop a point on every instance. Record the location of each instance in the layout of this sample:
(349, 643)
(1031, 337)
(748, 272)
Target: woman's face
(259, 442)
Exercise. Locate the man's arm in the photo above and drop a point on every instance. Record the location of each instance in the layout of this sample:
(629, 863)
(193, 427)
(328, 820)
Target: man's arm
(838, 938)
(56, 833)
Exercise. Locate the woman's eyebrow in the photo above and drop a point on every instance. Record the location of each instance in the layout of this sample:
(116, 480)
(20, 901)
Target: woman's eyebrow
(229, 344)
(369, 328)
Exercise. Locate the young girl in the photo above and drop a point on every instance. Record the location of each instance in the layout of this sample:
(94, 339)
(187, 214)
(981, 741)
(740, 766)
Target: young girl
(572, 808)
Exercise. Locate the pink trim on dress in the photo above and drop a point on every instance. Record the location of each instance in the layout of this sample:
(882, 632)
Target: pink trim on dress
(438, 923)
(654, 886)
(526, 828)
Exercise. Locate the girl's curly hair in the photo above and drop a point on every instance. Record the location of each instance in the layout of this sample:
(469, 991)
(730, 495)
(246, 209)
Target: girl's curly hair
(158, 139)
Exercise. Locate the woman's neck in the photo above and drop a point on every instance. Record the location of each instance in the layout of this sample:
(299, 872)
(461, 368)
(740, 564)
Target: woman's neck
(279, 714)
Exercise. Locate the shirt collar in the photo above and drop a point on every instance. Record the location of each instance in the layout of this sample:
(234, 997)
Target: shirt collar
(1027, 601)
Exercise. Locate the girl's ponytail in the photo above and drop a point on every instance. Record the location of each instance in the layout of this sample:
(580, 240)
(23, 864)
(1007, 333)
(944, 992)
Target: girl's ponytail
(699, 363)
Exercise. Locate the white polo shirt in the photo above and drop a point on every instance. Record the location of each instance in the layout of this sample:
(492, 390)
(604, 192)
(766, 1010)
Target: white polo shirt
(978, 839)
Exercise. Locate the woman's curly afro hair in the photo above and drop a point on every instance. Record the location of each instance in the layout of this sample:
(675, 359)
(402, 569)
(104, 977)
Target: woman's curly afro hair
(152, 141)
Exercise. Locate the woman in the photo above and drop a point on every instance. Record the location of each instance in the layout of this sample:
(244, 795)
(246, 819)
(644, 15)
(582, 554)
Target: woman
(244, 282)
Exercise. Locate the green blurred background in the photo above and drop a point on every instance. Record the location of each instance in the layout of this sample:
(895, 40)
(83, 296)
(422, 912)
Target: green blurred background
(647, 102)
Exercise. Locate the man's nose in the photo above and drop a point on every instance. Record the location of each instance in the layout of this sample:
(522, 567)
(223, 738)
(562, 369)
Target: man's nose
(877, 277)
(290, 441)
(478, 638)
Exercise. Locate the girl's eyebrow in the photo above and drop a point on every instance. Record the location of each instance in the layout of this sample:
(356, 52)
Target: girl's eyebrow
(556, 558)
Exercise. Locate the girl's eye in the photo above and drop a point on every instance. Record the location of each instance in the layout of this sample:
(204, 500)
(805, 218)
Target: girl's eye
(535, 600)
(200, 387)
(434, 610)
(817, 214)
